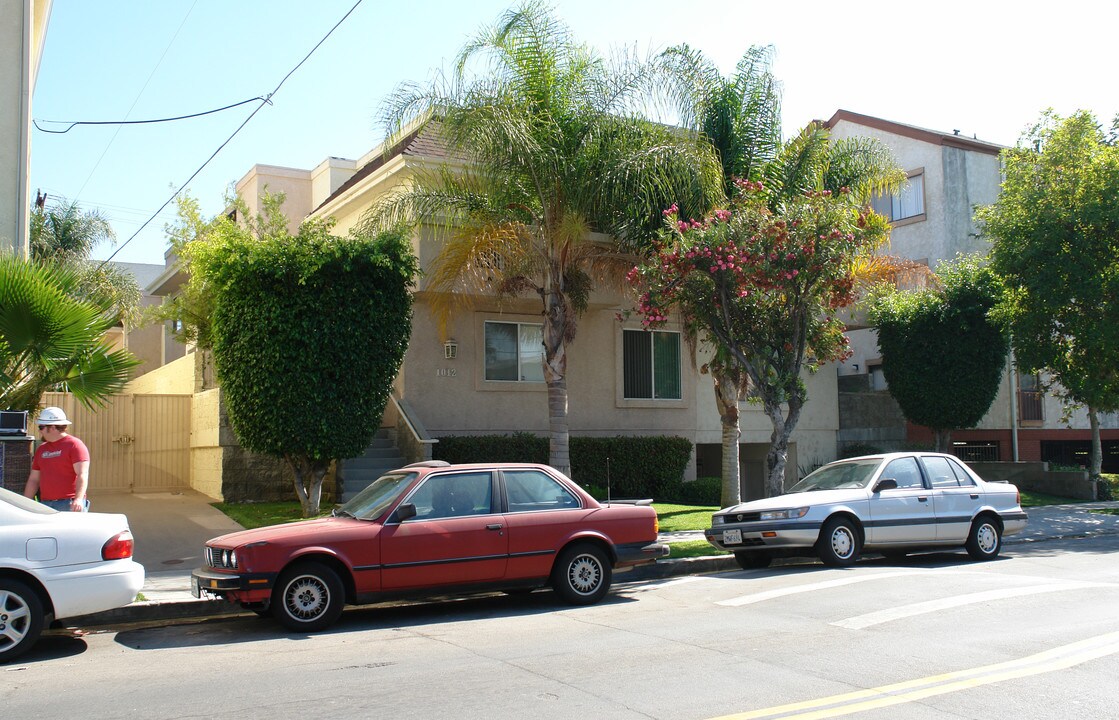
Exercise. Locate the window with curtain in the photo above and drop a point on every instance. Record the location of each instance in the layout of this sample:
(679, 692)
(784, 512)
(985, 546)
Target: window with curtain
(909, 202)
(651, 365)
(514, 352)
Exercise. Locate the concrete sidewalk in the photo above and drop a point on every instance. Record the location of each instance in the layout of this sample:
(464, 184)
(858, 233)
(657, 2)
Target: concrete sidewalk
(172, 528)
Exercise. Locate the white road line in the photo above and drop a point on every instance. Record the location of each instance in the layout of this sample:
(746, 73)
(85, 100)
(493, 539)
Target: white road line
(643, 586)
(1059, 658)
(812, 587)
(904, 611)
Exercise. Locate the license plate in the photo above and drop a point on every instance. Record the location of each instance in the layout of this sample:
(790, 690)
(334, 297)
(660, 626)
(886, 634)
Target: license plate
(195, 590)
(732, 537)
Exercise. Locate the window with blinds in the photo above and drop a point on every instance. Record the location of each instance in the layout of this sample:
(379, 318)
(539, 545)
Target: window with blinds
(651, 365)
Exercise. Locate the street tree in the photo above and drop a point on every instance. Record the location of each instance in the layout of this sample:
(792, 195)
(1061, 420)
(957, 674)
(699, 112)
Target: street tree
(1055, 235)
(740, 116)
(308, 333)
(555, 182)
(51, 337)
(765, 286)
(943, 348)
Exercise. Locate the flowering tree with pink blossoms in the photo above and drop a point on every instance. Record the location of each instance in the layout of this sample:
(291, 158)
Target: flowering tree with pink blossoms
(763, 287)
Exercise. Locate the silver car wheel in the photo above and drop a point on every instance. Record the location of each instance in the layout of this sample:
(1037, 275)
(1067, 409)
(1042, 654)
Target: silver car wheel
(306, 597)
(21, 618)
(15, 620)
(985, 539)
(842, 542)
(582, 574)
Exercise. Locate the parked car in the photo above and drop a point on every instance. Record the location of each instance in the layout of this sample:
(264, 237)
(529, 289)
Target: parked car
(434, 527)
(892, 504)
(56, 565)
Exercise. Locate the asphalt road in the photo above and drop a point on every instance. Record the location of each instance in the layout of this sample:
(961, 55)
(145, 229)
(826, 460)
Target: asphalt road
(1034, 634)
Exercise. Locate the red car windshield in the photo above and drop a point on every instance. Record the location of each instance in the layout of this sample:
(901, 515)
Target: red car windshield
(371, 503)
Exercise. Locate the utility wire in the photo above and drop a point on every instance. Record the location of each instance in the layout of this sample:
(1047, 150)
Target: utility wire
(135, 100)
(72, 125)
(266, 100)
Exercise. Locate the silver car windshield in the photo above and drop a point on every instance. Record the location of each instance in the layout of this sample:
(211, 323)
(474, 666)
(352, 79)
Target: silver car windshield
(371, 502)
(840, 475)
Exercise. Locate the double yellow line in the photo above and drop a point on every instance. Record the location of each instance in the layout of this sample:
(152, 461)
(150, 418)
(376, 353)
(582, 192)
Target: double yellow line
(1059, 658)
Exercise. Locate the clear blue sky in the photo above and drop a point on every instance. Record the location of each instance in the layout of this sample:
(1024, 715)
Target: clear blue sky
(985, 68)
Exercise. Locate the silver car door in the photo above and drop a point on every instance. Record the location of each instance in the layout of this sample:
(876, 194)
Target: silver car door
(956, 498)
(904, 514)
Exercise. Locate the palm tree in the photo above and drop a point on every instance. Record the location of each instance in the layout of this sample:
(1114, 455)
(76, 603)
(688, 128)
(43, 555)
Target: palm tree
(64, 234)
(740, 116)
(561, 179)
(49, 337)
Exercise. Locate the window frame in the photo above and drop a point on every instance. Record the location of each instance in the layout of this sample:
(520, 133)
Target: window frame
(653, 401)
(895, 200)
(517, 382)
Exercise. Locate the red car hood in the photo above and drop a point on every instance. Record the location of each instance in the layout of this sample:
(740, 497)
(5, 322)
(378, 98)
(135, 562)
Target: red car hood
(303, 531)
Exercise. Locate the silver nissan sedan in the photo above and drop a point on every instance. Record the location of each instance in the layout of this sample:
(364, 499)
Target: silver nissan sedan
(892, 504)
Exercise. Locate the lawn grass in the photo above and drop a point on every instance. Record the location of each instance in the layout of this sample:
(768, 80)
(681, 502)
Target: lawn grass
(1033, 499)
(676, 518)
(694, 548)
(254, 515)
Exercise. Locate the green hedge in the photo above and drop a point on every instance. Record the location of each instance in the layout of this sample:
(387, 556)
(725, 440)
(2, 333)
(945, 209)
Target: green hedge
(638, 466)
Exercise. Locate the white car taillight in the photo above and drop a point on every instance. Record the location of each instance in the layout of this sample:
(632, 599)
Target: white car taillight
(118, 547)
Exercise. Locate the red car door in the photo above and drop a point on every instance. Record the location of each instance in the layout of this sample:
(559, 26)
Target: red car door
(455, 538)
(542, 515)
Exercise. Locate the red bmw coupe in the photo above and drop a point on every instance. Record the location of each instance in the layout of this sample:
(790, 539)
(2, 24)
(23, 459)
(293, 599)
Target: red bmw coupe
(434, 528)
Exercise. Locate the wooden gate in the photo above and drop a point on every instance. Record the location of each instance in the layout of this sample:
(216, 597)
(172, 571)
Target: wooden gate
(138, 443)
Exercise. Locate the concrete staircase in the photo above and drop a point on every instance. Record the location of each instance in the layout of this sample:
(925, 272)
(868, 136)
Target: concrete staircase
(381, 456)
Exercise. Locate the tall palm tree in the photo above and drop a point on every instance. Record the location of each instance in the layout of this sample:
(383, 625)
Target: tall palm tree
(560, 182)
(740, 116)
(49, 337)
(62, 233)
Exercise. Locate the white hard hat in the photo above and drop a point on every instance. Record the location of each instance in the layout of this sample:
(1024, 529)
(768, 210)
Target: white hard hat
(52, 416)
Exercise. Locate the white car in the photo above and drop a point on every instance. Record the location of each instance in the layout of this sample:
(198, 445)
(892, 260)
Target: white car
(891, 503)
(56, 565)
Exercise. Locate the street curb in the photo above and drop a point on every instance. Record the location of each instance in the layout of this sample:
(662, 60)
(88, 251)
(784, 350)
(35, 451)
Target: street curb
(155, 611)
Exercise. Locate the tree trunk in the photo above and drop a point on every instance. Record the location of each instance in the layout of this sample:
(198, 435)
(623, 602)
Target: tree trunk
(726, 399)
(555, 375)
(1095, 457)
(778, 455)
(308, 483)
(942, 441)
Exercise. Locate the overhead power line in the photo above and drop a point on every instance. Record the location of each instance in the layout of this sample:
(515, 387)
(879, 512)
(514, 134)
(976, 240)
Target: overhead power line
(72, 124)
(265, 100)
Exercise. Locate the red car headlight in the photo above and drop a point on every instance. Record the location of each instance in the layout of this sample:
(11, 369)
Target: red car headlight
(118, 547)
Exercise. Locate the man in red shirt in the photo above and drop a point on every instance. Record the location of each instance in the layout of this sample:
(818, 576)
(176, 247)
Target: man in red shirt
(60, 468)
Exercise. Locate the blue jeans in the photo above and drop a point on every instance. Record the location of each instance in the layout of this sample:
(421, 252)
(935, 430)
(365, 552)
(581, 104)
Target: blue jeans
(64, 505)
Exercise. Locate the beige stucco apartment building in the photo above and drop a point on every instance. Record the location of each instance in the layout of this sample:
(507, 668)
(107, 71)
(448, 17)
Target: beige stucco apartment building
(23, 29)
(483, 376)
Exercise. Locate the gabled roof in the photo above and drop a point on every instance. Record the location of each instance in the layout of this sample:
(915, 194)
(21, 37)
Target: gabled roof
(424, 141)
(953, 139)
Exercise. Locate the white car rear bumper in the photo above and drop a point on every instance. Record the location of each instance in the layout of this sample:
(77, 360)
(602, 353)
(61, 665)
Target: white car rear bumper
(84, 589)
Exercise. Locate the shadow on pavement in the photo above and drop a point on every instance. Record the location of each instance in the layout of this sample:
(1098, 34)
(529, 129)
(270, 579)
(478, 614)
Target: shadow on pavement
(52, 645)
(389, 616)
